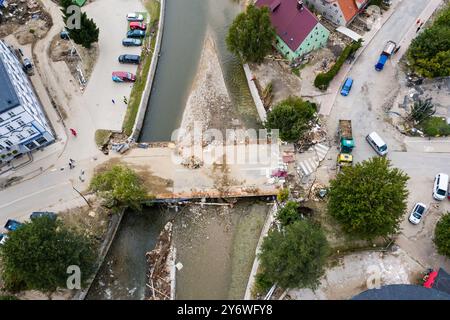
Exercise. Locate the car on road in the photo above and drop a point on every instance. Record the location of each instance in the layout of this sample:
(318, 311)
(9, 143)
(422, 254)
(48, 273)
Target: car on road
(417, 213)
(440, 187)
(129, 58)
(3, 238)
(136, 34)
(12, 225)
(131, 42)
(138, 26)
(122, 76)
(39, 214)
(135, 17)
(346, 87)
(377, 143)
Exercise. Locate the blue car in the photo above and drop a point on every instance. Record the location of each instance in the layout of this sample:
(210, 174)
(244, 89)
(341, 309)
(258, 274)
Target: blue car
(12, 225)
(39, 214)
(135, 34)
(347, 86)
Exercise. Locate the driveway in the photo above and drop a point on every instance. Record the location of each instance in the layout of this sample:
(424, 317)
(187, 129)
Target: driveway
(421, 159)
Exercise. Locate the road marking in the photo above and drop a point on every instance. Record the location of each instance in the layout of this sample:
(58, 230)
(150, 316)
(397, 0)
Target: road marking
(34, 193)
(321, 151)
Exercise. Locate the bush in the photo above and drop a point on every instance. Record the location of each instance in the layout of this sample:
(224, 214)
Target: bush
(435, 126)
(442, 235)
(292, 117)
(294, 257)
(289, 213)
(283, 195)
(322, 80)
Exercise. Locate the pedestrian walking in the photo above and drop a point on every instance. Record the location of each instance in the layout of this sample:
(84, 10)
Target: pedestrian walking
(113, 101)
(74, 133)
(418, 29)
(70, 165)
(125, 100)
(71, 160)
(418, 21)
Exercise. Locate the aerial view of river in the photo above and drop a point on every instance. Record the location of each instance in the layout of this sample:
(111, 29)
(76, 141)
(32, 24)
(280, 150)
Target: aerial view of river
(185, 26)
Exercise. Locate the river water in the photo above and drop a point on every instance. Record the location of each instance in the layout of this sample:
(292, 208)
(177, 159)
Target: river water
(186, 23)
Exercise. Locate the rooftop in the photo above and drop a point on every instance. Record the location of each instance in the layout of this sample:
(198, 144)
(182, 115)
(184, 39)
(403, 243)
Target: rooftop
(292, 24)
(8, 96)
(349, 8)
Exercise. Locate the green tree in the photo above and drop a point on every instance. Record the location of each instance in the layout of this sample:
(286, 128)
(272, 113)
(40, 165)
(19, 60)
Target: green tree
(283, 195)
(294, 257)
(251, 34)
(292, 117)
(36, 255)
(88, 32)
(121, 186)
(289, 213)
(369, 199)
(442, 235)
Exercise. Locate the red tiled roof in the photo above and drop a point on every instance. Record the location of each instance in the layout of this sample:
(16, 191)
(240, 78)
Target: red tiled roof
(291, 24)
(349, 8)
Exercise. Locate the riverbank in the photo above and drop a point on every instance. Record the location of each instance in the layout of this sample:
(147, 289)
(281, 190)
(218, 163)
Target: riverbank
(138, 103)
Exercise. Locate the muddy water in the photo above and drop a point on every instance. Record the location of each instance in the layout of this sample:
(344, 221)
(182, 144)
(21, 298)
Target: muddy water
(216, 246)
(123, 273)
(186, 22)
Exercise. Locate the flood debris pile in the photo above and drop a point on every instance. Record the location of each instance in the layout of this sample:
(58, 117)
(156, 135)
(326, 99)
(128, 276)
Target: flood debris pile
(161, 261)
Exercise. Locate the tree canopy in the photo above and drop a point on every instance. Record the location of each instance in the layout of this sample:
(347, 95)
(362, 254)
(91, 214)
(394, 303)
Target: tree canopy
(37, 255)
(369, 199)
(292, 117)
(289, 213)
(429, 52)
(121, 186)
(251, 34)
(294, 257)
(88, 32)
(442, 235)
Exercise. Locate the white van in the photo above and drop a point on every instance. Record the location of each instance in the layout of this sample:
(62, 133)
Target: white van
(377, 143)
(440, 186)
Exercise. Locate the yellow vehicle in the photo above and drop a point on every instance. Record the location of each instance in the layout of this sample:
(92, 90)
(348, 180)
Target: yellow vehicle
(344, 160)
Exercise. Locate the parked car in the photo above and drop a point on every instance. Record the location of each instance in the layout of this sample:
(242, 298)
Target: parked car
(138, 26)
(3, 238)
(135, 34)
(417, 213)
(12, 225)
(64, 34)
(131, 42)
(121, 76)
(135, 17)
(27, 65)
(347, 86)
(440, 187)
(39, 214)
(129, 58)
(377, 143)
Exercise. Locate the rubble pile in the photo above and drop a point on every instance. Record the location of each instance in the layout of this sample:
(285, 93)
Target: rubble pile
(21, 11)
(159, 260)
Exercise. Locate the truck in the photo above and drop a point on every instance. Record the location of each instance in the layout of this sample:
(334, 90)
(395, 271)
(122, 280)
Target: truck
(388, 50)
(346, 144)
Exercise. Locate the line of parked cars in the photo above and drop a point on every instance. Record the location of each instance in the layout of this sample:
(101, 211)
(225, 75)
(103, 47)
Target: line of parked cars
(12, 225)
(135, 38)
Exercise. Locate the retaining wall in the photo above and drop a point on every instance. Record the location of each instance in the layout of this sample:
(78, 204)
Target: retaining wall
(255, 94)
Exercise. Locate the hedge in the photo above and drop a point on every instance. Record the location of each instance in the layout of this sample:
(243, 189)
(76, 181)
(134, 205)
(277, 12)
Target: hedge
(323, 80)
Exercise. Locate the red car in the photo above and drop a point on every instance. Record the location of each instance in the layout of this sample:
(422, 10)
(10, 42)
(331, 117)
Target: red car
(138, 25)
(121, 76)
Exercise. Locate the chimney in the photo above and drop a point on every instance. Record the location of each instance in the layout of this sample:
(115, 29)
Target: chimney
(300, 5)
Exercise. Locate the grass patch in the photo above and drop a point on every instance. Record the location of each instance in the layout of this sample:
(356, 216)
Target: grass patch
(102, 137)
(435, 127)
(153, 7)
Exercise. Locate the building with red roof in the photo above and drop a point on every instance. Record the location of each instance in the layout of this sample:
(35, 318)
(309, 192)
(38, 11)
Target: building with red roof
(298, 30)
(340, 12)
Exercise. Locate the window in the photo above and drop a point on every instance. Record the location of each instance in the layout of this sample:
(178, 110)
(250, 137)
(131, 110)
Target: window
(41, 140)
(30, 145)
(9, 143)
(31, 132)
(1, 120)
(11, 114)
(21, 123)
(9, 127)
(2, 147)
(20, 137)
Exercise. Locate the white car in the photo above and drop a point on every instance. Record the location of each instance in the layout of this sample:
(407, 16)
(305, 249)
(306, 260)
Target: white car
(417, 213)
(135, 17)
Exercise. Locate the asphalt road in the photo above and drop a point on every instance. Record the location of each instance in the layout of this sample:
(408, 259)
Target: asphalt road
(420, 158)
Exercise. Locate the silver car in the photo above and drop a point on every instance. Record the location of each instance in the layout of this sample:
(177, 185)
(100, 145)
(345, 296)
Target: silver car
(135, 17)
(417, 213)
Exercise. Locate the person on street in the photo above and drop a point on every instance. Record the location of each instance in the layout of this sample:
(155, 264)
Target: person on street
(74, 133)
(113, 101)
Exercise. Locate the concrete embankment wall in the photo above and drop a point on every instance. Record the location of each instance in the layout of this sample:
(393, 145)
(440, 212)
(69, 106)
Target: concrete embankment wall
(139, 121)
(255, 94)
(110, 236)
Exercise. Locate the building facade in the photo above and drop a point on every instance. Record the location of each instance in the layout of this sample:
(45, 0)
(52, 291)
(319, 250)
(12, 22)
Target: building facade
(298, 30)
(23, 124)
(340, 12)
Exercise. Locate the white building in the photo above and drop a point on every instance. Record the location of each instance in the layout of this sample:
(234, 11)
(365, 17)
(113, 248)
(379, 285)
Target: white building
(23, 125)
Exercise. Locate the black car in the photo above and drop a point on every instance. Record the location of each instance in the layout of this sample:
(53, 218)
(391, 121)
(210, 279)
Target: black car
(136, 34)
(38, 214)
(129, 58)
